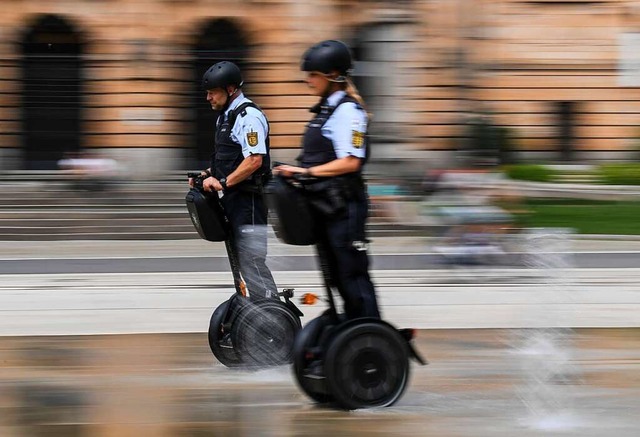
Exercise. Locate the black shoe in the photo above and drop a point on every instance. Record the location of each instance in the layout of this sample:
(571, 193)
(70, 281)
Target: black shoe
(225, 341)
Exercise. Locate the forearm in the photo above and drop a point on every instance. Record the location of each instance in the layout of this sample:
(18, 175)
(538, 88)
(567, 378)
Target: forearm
(337, 167)
(246, 168)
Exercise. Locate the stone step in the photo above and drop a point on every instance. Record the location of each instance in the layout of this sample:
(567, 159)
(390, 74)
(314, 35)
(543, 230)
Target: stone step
(62, 198)
(95, 229)
(112, 197)
(47, 222)
(93, 214)
(161, 231)
(100, 236)
(43, 207)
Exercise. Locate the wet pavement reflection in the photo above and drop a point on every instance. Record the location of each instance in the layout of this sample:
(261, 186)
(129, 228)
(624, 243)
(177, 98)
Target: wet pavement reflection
(479, 382)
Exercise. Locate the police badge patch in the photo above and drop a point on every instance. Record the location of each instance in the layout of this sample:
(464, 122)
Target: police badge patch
(252, 138)
(357, 139)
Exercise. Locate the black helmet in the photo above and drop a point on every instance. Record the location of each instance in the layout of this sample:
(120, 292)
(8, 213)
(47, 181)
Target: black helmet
(326, 57)
(221, 75)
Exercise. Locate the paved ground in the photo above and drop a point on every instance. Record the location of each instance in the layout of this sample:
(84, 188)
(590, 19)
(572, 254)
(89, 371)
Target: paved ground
(125, 354)
(480, 383)
(183, 302)
(176, 299)
(197, 247)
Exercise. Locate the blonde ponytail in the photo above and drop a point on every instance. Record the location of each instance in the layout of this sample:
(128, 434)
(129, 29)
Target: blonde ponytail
(353, 92)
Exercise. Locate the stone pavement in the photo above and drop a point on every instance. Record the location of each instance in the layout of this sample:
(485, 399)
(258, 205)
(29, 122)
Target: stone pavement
(179, 301)
(498, 383)
(197, 247)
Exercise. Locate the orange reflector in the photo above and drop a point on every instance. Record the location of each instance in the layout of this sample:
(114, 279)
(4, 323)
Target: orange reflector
(408, 333)
(243, 288)
(308, 299)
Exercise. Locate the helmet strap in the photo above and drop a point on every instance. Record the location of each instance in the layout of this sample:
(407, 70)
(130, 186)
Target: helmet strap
(331, 85)
(230, 98)
(233, 93)
(338, 79)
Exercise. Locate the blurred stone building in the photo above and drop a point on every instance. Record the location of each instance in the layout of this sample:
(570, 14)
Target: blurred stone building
(121, 77)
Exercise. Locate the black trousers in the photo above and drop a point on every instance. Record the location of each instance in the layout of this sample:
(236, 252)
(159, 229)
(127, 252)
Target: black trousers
(247, 214)
(342, 246)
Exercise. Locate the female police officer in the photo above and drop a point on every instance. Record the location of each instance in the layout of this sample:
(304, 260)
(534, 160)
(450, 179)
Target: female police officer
(334, 150)
(239, 166)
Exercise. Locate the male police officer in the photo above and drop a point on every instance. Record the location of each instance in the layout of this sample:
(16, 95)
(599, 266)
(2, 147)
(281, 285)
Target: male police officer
(239, 168)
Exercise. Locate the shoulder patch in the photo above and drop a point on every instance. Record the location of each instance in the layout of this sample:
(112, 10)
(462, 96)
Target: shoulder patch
(252, 138)
(357, 139)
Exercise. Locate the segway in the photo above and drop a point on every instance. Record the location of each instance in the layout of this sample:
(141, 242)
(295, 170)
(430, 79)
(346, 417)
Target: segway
(242, 333)
(358, 363)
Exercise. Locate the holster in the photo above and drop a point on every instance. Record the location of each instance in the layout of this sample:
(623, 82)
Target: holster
(331, 195)
(256, 183)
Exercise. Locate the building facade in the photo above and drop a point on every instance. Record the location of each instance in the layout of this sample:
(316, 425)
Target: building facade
(121, 78)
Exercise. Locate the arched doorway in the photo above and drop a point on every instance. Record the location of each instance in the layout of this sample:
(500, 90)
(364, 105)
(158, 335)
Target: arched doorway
(52, 91)
(218, 40)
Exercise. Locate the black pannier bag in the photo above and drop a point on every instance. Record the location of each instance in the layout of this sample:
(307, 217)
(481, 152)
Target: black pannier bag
(290, 214)
(207, 215)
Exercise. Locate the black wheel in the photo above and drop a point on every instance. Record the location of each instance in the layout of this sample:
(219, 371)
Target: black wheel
(367, 365)
(264, 332)
(308, 338)
(225, 355)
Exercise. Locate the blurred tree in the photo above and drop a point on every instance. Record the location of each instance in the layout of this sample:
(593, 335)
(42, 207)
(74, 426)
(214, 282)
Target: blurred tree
(488, 144)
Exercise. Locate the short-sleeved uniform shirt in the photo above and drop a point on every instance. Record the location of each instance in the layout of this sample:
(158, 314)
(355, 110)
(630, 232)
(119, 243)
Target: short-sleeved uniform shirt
(346, 127)
(251, 130)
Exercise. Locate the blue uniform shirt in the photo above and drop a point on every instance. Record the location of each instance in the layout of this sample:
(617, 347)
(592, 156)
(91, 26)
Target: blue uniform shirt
(251, 130)
(346, 127)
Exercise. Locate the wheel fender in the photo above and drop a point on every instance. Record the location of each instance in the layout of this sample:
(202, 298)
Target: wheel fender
(412, 350)
(348, 323)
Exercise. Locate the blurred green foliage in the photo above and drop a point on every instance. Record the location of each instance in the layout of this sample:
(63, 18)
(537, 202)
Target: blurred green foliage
(627, 173)
(585, 216)
(488, 143)
(530, 172)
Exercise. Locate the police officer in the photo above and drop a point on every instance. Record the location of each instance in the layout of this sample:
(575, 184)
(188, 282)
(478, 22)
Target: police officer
(240, 165)
(334, 150)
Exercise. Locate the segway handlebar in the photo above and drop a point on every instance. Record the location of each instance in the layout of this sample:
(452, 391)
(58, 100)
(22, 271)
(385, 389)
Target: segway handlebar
(304, 178)
(197, 177)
